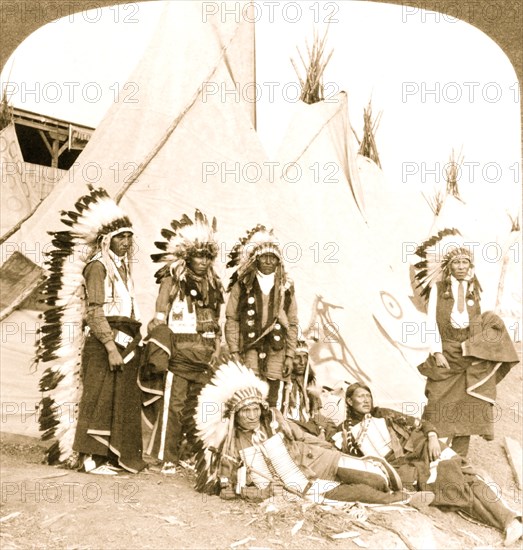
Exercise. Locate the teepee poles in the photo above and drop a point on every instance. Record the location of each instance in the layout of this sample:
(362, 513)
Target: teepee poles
(312, 83)
(368, 147)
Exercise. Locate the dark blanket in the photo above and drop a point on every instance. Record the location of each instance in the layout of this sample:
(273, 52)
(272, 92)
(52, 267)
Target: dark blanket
(457, 487)
(186, 355)
(109, 421)
(461, 399)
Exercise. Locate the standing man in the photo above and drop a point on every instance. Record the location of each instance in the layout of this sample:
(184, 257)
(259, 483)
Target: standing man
(471, 352)
(184, 336)
(104, 434)
(261, 326)
(304, 401)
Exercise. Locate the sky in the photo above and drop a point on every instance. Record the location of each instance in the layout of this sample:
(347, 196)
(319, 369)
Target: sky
(440, 83)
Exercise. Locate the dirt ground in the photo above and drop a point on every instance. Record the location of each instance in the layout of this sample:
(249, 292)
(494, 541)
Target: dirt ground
(47, 507)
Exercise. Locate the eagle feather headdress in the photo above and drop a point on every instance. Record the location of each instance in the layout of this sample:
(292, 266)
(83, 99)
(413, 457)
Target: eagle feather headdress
(437, 254)
(185, 239)
(233, 387)
(258, 240)
(93, 223)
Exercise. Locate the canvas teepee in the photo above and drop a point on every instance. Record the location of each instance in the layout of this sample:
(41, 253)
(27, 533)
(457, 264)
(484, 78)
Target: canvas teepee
(508, 299)
(481, 217)
(162, 156)
(342, 281)
(16, 200)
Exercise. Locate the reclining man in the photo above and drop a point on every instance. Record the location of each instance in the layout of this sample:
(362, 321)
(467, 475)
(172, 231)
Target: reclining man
(412, 447)
(249, 448)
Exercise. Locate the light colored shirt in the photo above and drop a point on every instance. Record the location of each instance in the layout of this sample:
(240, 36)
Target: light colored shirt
(95, 283)
(266, 282)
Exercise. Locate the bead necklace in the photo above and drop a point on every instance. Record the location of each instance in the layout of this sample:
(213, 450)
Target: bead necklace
(353, 443)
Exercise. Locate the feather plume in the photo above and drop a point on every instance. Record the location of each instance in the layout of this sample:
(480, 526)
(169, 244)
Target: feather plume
(258, 240)
(232, 387)
(186, 239)
(61, 338)
(436, 254)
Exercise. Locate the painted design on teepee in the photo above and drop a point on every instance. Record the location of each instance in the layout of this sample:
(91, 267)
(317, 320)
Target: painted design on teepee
(327, 343)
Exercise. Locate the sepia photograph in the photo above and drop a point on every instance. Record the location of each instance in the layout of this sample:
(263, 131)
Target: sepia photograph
(261, 280)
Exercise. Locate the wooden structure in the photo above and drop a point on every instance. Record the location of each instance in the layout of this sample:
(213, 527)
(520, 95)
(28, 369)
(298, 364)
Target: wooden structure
(49, 141)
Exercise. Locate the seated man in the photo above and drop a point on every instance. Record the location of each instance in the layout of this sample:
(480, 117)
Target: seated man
(412, 447)
(247, 447)
(302, 399)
